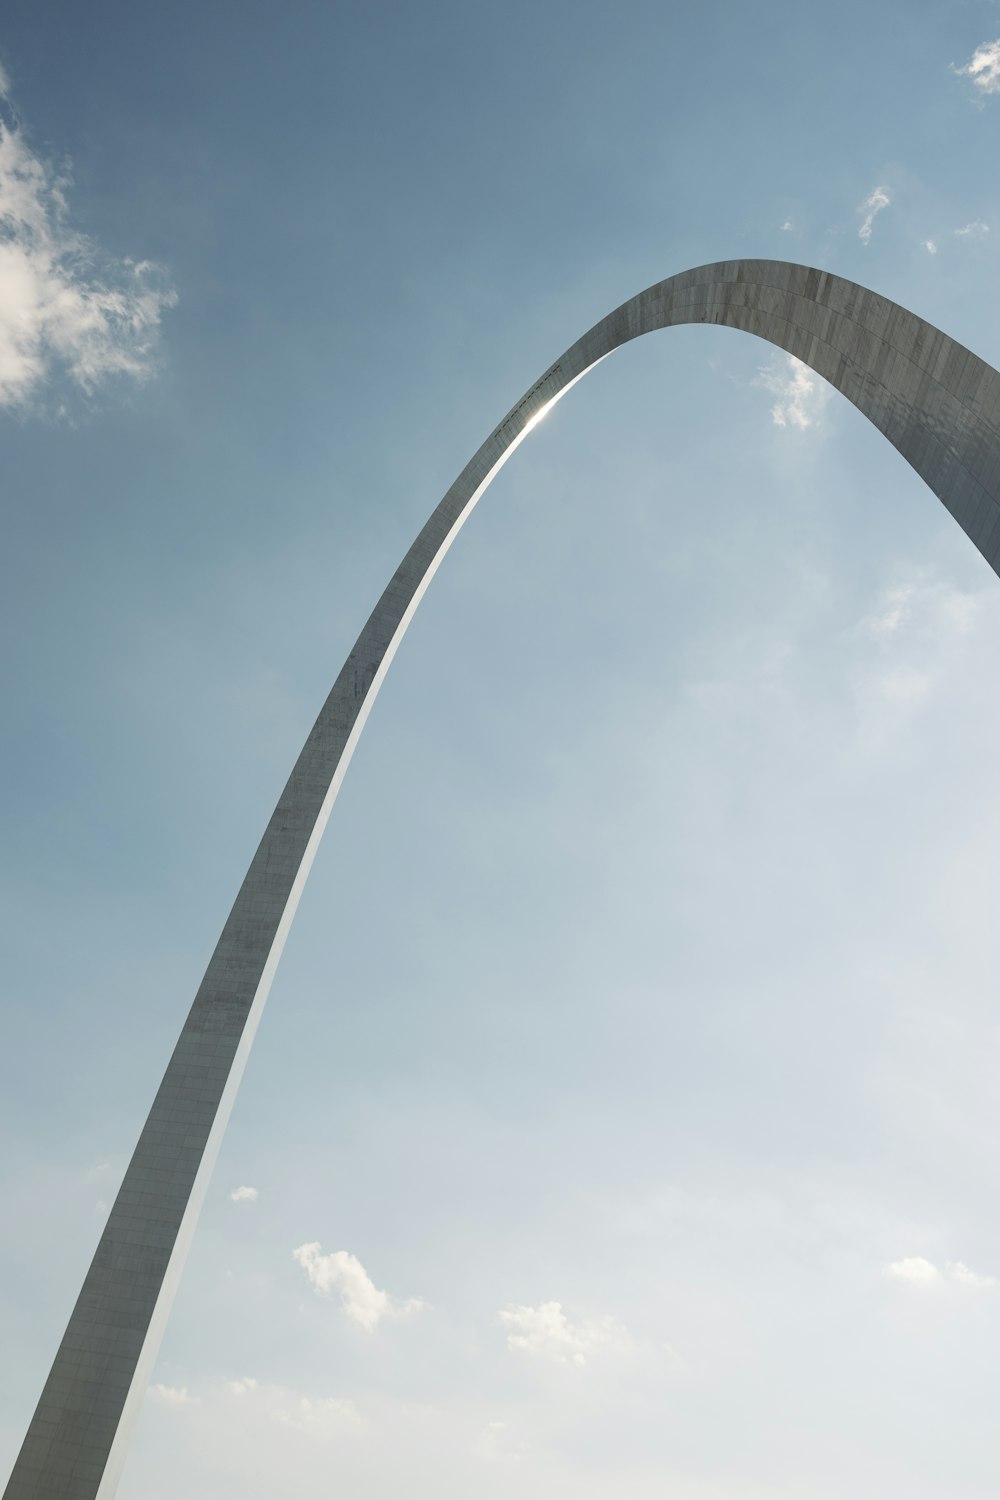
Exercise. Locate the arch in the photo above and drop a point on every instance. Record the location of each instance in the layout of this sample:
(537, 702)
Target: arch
(936, 402)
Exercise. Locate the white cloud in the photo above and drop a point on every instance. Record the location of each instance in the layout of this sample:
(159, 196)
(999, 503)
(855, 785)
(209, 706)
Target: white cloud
(788, 226)
(910, 638)
(928, 608)
(171, 1395)
(877, 199)
(984, 67)
(961, 1273)
(318, 1416)
(242, 1387)
(66, 309)
(920, 1272)
(934, 609)
(930, 247)
(913, 1268)
(361, 1298)
(974, 230)
(244, 1195)
(905, 685)
(546, 1332)
(497, 1444)
(892, 611)
(801, 394)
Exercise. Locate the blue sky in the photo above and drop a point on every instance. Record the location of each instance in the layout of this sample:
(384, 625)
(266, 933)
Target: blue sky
(627, 1090)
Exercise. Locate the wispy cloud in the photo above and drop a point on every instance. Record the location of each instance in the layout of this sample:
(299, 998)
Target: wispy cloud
(242, 1387)
(983, 68)
(66, 309)
(930, 247)
(361, 1299)
(316, 1416)
(171, 1395)
(933, 606)
(961, 1273)
(877, 199)
(893, 610)
(497, 1444)
(974, 230)
(909, 638)
(801, 394)
(788, 226)
(920, 1272)
(545, 1332)
(244, 1195)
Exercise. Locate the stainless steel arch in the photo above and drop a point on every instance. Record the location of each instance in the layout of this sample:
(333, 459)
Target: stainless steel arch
(934, 400)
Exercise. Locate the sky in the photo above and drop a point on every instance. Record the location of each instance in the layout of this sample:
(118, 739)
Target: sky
(624, 1118)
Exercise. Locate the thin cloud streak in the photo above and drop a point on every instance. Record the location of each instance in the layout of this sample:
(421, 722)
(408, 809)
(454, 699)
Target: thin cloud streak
(877, 199)
(975, 230)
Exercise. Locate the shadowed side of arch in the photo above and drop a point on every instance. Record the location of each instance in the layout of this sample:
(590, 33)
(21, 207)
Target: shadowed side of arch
(936, 402)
